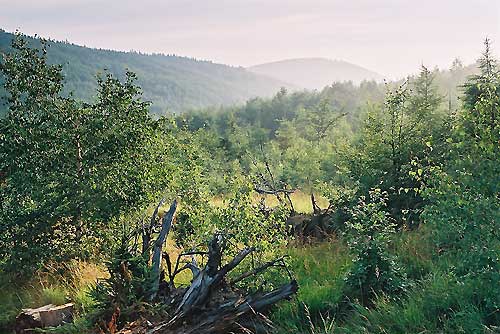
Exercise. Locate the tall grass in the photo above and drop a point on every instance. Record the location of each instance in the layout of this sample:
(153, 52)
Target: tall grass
(438, 304)
(55, 284)
(438, 301)
(319, 269)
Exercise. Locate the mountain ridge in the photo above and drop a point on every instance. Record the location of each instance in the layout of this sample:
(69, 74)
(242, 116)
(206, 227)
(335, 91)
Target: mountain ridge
(172, 83)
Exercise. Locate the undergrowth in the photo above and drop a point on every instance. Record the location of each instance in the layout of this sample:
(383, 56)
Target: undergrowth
(55, 284)
(438, 300)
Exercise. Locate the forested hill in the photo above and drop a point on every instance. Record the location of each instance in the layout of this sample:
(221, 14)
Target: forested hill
(171, 82)
(315, 73)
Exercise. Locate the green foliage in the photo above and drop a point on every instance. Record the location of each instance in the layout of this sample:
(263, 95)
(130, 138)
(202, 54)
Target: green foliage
(70, 169)
(35, 129)
(395, 146)
(239, 219)
(482, 99)
(463, 211)
(315, 124)
(374, 270)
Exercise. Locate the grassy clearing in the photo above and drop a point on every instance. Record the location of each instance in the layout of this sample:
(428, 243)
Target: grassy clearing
(301, 201)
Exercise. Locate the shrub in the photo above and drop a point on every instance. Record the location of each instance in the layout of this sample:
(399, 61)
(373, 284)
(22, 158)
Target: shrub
(128, 285)
(369, 233)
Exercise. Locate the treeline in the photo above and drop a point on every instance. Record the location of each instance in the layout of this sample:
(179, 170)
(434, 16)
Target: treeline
(307, 137)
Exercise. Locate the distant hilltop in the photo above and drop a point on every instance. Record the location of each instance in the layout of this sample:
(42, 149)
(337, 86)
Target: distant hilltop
(315, 73)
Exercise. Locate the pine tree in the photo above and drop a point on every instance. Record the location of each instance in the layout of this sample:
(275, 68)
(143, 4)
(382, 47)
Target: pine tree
(482, 98)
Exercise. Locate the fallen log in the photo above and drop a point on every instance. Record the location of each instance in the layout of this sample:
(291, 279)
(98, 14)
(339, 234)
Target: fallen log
(236, 314)
(212, 302)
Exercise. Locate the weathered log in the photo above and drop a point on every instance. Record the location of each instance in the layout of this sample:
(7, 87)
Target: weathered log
(42, 317)
(237, 313)
(197, 294)
(211, 303)
(229, 314)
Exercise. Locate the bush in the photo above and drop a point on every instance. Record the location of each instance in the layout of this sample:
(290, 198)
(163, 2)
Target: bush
(374, 269)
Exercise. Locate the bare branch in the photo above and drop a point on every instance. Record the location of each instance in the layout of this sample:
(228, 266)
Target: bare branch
(257, 270)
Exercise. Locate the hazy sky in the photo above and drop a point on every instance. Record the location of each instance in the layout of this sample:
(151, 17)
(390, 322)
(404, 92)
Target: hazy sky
(392, 37)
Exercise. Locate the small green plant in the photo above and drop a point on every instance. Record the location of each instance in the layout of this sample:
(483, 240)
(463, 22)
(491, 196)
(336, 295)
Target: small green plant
(369, 233)
(84, 301)
(129, 283)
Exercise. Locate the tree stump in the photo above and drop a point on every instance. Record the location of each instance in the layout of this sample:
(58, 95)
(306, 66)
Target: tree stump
(42, 317)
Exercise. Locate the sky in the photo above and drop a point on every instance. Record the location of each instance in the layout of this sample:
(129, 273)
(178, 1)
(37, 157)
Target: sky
(391, 37)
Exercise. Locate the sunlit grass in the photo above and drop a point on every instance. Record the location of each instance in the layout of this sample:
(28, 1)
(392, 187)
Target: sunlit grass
(301, 201)
(49, 287)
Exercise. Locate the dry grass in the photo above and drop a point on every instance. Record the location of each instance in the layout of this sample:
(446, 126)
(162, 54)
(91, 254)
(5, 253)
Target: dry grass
(301, 201)
(56, 284)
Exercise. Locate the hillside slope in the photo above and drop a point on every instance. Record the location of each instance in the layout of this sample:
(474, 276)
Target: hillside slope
(172, 83)
(315, 73)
